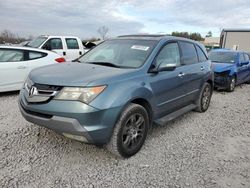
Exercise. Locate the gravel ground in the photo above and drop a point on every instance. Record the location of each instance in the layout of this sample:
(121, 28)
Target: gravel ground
(211, 149)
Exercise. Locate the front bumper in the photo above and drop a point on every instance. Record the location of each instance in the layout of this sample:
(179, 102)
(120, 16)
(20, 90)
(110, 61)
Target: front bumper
(221, 81)
(71, 118)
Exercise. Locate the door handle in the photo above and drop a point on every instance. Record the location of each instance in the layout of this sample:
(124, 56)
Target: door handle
(64, 53)
(80, 53)
(202, 68)
(21, 67)
(181, 74)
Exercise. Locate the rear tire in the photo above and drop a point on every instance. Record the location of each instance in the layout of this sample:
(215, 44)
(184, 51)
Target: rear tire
(204, 99)
(232, 84)
(130, 131)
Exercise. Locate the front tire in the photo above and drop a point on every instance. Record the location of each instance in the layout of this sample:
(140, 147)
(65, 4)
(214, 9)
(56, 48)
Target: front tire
(130, 131)
(204, 99)
(232, 84)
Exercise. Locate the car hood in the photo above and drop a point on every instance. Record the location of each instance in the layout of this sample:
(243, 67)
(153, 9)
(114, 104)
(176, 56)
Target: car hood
(75, 74)
(221, 67)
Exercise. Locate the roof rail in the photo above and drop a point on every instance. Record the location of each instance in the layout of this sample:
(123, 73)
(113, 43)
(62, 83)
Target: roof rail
(144, 35)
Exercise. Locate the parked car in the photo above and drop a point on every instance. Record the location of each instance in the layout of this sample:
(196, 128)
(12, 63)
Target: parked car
(69, 47)
(118, 89)
(231, 68)
(17, 62)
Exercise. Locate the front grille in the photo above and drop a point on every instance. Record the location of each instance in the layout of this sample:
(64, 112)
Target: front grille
(40, 93)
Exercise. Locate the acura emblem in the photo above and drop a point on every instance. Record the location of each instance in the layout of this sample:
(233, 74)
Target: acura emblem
(33, 91)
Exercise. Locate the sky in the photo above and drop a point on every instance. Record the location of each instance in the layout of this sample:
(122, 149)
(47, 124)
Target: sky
(82, 18)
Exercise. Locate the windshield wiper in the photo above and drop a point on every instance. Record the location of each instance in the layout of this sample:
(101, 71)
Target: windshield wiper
(105, 64)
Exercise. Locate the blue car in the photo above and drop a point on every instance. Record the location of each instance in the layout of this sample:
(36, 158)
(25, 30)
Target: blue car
(231, 68)
(112, 94)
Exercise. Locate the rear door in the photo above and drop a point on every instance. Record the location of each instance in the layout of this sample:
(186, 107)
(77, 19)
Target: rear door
(242, 69)
(194, 69)
(168, 86)
(73, 48)
(37, 59)
(13, 69)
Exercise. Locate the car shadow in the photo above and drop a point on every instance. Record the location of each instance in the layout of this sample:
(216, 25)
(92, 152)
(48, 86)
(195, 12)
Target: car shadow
(9, 93)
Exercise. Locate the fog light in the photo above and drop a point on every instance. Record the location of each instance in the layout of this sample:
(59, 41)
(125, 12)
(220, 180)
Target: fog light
(75, 137)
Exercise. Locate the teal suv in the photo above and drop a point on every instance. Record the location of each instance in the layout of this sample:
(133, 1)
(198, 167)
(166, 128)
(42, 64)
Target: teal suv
(112, 94)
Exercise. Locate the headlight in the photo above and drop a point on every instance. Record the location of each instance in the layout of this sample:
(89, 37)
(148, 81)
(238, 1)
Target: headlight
(85, 95)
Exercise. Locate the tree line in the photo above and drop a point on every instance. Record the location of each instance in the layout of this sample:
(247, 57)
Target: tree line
(7, 36)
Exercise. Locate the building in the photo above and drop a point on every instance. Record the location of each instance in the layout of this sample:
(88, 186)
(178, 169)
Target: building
(211, 43)
(237, 39)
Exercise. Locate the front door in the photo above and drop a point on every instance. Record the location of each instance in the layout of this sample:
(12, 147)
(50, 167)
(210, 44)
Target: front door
(167, 86)
(55, 45)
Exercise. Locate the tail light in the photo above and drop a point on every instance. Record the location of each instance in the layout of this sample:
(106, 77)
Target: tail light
(60, 60)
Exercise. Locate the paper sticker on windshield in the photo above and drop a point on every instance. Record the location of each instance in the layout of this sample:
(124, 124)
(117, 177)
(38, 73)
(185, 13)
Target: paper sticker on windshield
(138, 47)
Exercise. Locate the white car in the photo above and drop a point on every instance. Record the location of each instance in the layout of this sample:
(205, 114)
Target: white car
(69, 47)
(16, 63)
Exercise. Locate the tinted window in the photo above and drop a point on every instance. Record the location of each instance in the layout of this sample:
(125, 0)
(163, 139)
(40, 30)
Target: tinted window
(36, 55)
(169, 55)
(11, 55)
(201, 55)
(72, 44)
(246, 57)
(189, 55)
(223, 57)
(53, 44)
(123, 53)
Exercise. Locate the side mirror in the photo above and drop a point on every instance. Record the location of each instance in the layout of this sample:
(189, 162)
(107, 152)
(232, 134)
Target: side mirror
(166, 67)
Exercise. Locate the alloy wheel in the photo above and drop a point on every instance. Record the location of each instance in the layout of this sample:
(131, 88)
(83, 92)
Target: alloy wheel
(206, 97)
(133, 131)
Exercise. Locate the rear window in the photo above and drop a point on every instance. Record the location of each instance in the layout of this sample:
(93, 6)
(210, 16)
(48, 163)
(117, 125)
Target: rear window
(189, 55)
(223, 57)
(72, 43)
(11, 55)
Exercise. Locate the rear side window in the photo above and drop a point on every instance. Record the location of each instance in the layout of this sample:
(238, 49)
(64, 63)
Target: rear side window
(189, 55)
(246, 57)
(72, 43)
(36, 55)
(11, 55)
(201, 55)
(168, 55)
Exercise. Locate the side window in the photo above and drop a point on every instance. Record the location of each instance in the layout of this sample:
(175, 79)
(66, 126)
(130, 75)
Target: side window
(201, 55)
(36, 55)
(247, 57)
(72, 43)
(53, 44)
(189, 55)
(242, 58)
(168, 55)
(11, 55)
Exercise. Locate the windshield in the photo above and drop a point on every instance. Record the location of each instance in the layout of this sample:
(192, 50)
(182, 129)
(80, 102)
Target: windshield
(223, 57)
(37, 42)
(120, 53)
